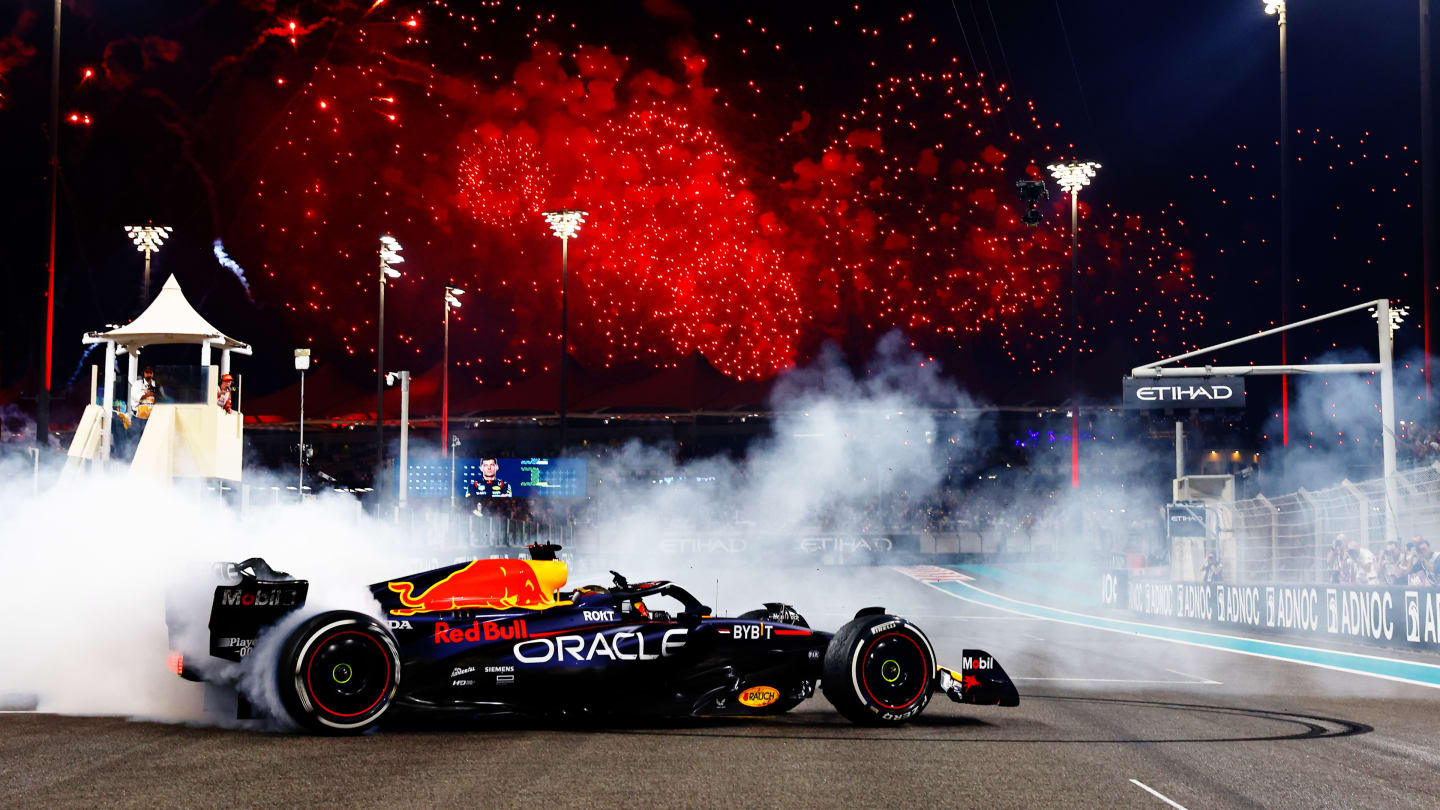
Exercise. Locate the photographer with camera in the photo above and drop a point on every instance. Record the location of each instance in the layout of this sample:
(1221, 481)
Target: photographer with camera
(1335, 561)
(1361, 562)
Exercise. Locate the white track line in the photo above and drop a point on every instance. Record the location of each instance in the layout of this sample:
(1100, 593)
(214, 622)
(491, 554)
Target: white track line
(961, 617)
(1157, 794)
(1188, 643)
(1115, 680)
(1197, 678)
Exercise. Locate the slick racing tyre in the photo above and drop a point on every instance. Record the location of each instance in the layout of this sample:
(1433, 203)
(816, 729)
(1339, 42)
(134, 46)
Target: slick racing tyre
(879, 671)
(338, 672)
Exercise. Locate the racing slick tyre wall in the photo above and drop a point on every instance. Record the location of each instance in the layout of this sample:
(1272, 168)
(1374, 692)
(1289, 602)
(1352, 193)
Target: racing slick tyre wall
(879, 670)
(338, 672)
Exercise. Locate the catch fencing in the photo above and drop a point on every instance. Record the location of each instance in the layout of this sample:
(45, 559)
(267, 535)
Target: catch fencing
(1288, 538)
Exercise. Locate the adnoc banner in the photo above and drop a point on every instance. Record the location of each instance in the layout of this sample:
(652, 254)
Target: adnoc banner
(1393, 616)
(1185, 392)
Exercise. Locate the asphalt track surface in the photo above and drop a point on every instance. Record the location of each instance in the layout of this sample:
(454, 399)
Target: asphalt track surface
(1106, 720)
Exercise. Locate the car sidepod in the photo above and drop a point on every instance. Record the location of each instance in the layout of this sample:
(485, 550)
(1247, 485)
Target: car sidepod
(753, 667)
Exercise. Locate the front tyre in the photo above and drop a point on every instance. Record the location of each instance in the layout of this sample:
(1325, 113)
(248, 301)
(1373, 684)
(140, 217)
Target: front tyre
(338, 672)
(879, 671)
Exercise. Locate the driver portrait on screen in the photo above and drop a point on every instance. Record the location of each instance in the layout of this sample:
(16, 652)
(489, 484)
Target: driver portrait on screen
(490, 484)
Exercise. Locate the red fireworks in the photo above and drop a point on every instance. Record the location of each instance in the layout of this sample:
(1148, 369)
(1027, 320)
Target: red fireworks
(746, 226)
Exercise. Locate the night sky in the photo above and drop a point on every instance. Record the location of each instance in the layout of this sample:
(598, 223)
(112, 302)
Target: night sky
(763, 178)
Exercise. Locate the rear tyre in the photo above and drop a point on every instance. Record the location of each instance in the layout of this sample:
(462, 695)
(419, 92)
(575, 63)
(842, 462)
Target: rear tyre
(338, 672)
(879, 671)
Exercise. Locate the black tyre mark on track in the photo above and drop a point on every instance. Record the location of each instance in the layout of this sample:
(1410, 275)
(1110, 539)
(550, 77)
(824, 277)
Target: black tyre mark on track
(1312, 727)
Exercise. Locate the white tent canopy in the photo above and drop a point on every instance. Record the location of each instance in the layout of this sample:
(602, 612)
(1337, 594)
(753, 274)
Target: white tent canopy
(196, 437)
(169, 319)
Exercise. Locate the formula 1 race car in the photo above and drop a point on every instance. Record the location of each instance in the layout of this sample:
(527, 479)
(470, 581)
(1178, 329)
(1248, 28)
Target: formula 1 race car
(499, 637)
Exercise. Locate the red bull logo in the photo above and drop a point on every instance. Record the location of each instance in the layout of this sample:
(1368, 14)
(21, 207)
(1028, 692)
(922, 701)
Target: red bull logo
(477, 631)
(487, 584)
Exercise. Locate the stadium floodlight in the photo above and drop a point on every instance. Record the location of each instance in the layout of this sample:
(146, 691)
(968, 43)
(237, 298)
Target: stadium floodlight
(302, 362)
(1397, 317)
(1073, 175)
(565, 223)
(452, 301)
(1276, 9)
(389, 255)
(148, 239)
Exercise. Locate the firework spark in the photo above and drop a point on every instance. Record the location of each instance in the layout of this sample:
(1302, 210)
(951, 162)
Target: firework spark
(744, 220)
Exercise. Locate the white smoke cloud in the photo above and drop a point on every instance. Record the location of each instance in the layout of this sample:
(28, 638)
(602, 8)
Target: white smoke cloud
(87, 565)
(84, 567)
(839, 444)
(1336, 426)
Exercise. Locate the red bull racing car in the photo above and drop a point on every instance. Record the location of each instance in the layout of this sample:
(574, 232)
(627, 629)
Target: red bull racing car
(502, 637)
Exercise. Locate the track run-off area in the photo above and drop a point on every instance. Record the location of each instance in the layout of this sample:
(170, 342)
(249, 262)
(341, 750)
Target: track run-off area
(1112, 714)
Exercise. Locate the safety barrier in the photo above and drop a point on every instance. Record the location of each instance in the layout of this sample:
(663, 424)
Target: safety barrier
(1391, 616)
(1288, 538)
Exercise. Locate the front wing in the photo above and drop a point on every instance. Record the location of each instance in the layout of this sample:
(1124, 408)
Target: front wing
(980, 680)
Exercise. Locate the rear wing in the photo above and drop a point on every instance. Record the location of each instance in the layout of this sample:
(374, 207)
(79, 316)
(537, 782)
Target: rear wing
(249, 596)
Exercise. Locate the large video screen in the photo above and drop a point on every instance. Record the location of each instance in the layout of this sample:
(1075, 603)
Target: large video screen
(489, 477)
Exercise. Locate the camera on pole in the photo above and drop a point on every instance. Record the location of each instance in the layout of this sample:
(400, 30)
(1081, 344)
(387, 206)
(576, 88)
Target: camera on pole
(1032, 193)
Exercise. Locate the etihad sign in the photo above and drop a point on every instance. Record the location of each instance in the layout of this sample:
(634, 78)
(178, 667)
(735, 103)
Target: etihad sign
(1184, 392)
(1181, 393)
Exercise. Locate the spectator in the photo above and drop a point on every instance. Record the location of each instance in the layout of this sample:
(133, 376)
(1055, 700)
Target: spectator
(222, 398)
(1425, 561)
(1335, 562)
(1362, 564)
(1410, 574)
(1214, 569)
(144, 393)
(1392, 570)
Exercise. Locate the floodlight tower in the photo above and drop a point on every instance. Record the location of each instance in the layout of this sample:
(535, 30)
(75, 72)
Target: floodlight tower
(452, 301)
(1276, 8)
(565, 223)
(147, 239)
(302, 363)
(1427, 183)
(389, 255)
(1072, 176)
(42, 406)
